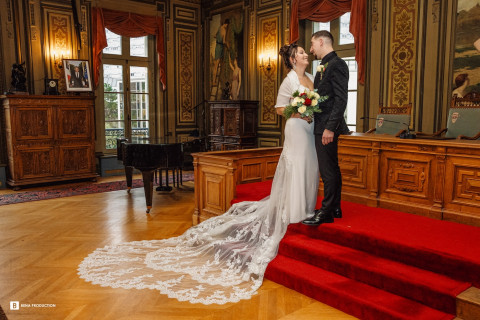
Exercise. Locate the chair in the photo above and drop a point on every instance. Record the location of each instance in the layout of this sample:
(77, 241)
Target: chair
(392, 120)
(463, 119)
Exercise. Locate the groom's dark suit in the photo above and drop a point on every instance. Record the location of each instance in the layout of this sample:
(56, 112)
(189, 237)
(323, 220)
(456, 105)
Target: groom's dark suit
(334, 84)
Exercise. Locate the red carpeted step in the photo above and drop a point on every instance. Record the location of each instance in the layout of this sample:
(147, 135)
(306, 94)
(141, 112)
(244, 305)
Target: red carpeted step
(439, 246)
(353, 297)
(252, 191)
(432, 289)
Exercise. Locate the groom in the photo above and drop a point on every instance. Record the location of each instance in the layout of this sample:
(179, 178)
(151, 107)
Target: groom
(331, 80)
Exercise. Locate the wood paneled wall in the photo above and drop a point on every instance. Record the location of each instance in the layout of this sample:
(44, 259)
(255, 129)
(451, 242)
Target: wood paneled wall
(409, 55)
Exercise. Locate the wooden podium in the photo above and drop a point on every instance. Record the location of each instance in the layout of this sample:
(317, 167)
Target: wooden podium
(233, 124)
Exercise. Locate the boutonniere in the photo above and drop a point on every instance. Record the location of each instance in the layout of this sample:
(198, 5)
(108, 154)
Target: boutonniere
(321, 68)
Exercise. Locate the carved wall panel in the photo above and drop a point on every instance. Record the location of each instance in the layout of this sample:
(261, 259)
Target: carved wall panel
(185, 14)
(403, 48)
(185, 75)
(268, 45)
(59, 41)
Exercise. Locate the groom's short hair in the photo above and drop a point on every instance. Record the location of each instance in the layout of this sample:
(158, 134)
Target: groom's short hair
(323, 34)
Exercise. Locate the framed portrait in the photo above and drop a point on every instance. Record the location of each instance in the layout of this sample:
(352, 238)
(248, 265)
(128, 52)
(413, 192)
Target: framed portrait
(77, 75)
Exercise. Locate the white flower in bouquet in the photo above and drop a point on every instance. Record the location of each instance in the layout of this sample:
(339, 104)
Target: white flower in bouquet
(302, 109)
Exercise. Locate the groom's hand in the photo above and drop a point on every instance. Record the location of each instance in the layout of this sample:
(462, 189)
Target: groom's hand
(327, 137)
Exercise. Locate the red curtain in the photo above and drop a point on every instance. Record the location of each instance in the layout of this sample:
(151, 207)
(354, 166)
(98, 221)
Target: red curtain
(328, 10)
(128, 25)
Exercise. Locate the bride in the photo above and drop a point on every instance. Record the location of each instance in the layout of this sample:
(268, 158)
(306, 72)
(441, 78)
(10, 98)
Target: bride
(224, 258)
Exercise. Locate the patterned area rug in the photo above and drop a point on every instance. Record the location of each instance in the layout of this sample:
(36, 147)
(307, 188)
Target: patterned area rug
(75, 189)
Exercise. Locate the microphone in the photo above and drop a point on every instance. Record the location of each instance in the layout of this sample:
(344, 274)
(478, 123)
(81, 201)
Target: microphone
(403, 135)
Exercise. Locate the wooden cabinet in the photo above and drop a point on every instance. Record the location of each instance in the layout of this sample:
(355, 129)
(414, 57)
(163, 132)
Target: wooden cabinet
(49, 138)
(233, 124)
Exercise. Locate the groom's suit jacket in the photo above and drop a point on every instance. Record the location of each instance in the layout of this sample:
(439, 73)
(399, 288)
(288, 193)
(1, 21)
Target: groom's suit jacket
(334, 84)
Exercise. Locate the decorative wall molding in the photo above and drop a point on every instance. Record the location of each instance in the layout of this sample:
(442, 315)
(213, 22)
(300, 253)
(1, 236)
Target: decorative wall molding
(374, 14)
(403, 49)
(9, 24)
(59, 36)
(436, 10)
(268, 42)
(185, 74)
(185, 14)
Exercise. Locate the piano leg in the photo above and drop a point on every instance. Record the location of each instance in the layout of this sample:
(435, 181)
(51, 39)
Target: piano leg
(147, 176)
(161, 187)
(128, 175)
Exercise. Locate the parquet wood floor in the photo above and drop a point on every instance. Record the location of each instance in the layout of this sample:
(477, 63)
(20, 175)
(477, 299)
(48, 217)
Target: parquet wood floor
(42, 243)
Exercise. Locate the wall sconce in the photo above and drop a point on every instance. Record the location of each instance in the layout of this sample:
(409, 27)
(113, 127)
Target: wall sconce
(58, 58)
(263, 66)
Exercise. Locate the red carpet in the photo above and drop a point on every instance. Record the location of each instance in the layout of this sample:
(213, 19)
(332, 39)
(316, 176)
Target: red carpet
(376, 263)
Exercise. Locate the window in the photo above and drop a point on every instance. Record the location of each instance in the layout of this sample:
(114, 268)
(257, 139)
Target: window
(344, 46)
(127, 84)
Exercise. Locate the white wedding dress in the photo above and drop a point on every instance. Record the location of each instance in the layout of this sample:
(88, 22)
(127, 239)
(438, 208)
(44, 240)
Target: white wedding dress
(224, 258)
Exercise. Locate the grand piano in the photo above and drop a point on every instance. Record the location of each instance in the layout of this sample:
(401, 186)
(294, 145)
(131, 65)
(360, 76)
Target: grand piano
(149, 154)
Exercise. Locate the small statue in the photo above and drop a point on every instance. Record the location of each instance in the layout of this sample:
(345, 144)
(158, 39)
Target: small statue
(18, 77)
(226, 92)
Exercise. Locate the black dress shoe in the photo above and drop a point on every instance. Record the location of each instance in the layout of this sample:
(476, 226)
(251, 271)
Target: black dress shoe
(337, 213)
(318, 218)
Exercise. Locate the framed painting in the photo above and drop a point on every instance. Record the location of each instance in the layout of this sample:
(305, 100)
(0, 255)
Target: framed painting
(466, 63)
(226, 55)
(77, 75)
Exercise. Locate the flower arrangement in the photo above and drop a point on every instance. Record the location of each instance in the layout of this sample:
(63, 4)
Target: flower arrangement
(321, 68)
(305, 103)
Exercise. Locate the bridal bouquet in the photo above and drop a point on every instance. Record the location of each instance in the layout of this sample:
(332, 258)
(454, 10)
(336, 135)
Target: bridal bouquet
(305, 103)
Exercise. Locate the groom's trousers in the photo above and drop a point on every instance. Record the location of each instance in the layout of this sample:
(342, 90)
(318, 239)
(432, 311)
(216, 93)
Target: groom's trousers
(327, 156)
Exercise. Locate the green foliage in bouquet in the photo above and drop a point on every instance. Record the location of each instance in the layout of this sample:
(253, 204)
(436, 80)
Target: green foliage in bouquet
(305, 103)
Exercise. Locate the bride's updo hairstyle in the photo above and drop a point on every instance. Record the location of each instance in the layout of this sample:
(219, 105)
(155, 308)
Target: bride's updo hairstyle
(286, 52)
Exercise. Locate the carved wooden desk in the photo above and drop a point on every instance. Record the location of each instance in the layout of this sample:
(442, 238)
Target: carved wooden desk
(218, 172)
(434, 178)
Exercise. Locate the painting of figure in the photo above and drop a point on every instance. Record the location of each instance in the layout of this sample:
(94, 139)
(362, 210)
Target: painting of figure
(466, 63)
(226, 55)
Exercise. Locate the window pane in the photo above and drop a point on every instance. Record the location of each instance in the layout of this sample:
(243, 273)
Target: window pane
(345, 36)
(353, 73)
(351, 112)
(112, 78)
(139, 114)
(113, 130)
(317, 26)
(114, 42)
(138, 79)
(139, 46)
